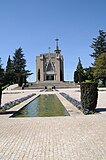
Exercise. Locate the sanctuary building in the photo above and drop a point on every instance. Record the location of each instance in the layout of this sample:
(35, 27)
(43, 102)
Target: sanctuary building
(50, 66)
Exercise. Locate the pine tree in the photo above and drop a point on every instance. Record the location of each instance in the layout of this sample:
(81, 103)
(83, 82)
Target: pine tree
(99, 44)
(19, 63)
(99, 54)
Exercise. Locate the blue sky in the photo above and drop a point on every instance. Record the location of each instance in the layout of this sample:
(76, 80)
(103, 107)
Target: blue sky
(35, 24)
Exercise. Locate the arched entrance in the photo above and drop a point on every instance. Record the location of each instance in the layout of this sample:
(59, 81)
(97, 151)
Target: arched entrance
(50, 77)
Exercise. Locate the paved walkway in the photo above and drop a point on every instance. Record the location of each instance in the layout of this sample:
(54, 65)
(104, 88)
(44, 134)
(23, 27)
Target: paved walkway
(74, 137)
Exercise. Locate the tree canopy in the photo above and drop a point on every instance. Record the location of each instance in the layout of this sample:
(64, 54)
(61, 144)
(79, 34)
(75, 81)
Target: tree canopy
(100, 66)
(99, 44)
(99, 54)
(9, 66)
(15, 71)
(19, 63)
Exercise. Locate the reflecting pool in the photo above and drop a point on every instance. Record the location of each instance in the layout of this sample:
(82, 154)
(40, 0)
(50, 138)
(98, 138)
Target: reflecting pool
(43, 106)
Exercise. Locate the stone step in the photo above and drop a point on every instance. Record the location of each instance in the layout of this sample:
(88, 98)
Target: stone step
(42, 85)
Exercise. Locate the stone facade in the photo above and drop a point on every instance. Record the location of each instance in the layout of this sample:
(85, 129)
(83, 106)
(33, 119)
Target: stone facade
(50, 66)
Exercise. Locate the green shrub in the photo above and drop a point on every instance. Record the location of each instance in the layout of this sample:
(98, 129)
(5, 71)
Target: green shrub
(89, 95)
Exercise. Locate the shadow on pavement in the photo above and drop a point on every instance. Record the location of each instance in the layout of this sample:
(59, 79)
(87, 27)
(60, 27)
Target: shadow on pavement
(7, 112)
(100, 109)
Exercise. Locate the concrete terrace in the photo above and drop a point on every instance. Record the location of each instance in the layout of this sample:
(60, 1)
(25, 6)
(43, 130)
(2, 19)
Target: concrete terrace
(74, 137)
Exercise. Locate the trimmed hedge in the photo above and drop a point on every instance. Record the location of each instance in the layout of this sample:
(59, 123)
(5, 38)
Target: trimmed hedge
(89, 95)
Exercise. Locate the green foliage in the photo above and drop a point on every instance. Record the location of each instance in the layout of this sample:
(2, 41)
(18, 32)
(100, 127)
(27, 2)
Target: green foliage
(79, 72)
(100, 68)
(89, 95)
(19, 63)
(9, 66)
(9, 74)
(99, 44)
(88, 73)
(15, 69)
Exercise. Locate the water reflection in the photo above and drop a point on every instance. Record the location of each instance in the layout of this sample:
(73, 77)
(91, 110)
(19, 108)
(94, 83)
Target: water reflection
(43, 106)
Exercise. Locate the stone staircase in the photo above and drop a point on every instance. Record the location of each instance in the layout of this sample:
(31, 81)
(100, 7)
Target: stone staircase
(50, 84)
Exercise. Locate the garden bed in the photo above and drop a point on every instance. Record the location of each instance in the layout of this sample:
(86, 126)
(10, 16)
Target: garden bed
(72, 100)
(11, 104)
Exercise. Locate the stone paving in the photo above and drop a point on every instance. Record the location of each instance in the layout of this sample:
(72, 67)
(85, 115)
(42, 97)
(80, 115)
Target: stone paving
(74, 137)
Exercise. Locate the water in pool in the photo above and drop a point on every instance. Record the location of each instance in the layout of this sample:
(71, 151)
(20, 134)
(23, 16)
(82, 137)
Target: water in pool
(43, 106)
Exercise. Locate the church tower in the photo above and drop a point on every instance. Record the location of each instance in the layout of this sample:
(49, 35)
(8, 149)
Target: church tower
(50, 66)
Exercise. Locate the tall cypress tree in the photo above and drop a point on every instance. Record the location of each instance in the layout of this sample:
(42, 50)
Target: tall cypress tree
(9, 74)
(9, 64)
(80, 71)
